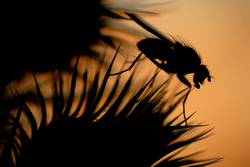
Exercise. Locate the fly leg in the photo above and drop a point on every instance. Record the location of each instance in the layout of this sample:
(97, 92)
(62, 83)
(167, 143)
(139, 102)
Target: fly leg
(129, 67)
(186, 82)
(184, 101)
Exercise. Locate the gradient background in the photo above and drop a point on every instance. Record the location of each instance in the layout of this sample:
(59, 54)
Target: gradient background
(220, 30)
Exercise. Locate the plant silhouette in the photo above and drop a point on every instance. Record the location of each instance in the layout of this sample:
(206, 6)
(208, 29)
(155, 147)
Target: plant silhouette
(131, 136)
(103, 124)
(45, 36)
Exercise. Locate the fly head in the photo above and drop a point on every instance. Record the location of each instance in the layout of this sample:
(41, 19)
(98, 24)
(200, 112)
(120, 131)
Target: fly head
(200, 75)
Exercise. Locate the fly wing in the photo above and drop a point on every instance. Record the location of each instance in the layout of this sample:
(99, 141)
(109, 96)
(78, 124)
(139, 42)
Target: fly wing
(150, 28)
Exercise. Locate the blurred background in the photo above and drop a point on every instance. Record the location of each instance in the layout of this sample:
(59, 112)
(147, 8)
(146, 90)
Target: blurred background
(220, 31)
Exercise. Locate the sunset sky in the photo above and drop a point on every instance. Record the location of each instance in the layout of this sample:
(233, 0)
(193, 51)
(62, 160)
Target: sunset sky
(219, 29)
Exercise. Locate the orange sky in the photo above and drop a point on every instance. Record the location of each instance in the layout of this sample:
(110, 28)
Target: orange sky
(220, 31)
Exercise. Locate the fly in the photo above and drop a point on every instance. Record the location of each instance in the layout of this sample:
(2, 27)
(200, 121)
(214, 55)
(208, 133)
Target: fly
(173, 57)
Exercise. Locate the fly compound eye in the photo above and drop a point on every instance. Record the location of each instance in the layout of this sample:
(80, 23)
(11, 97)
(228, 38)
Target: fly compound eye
(209, 78)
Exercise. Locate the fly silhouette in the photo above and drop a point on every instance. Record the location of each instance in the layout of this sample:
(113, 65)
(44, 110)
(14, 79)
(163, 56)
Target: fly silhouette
(172, 57)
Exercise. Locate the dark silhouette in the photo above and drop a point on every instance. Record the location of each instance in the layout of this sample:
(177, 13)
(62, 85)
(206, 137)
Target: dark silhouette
(131, 136)
(44, 36)
(179, 58)
(176, 57)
